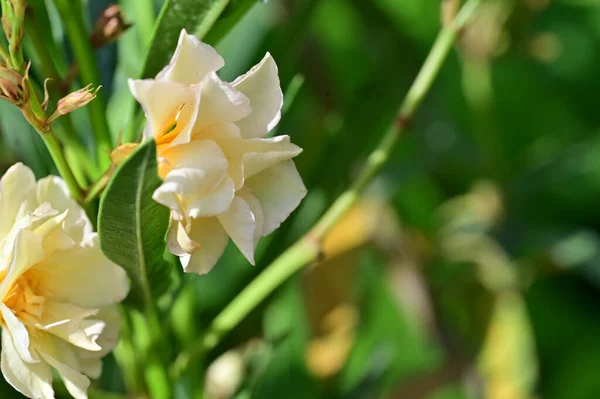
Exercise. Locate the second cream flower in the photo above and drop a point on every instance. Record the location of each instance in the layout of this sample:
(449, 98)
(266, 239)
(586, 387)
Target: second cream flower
(222, 177)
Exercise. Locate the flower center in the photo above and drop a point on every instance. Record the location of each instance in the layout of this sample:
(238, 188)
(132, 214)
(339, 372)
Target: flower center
(22, 299)
(171, 129)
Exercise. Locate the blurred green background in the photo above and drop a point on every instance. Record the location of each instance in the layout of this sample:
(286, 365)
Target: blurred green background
(472, 267)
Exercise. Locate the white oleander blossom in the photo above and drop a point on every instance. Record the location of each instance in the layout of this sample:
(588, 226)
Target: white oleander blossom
(222, 177)
(57, 289)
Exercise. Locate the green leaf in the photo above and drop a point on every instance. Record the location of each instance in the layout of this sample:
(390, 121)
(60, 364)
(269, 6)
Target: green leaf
(133, 226)
(196, 16)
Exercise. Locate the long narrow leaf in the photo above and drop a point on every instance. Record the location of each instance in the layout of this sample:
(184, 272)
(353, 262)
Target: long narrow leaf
(132, 225)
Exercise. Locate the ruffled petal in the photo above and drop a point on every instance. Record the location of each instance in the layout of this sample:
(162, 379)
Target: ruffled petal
(264, 153)
(90, 363)
(192, 61)
(170, 108)
(220, 102)
(201, 249)
(240, 224)
(197, 184)
(17, 195)
(257, 211)
(22, 250)
(83, 276)
(279, 190)
(261, 86)
(19, 334)
(68, 322)
(31, 379)
(54, 190)
(249, 157)
(64, 360)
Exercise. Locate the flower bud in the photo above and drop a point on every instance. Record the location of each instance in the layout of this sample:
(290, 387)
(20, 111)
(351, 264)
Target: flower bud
(73, 101)
(109, 26)
(119, 154)
(11, 86)
(13, 21)
(225, 375)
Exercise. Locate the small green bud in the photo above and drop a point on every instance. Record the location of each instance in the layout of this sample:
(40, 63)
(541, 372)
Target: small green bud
(73, 101)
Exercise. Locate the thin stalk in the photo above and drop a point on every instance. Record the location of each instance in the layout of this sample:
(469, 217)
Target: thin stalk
(210, 18)
(145, 18)
(72, 16)
(35, 115)
(61, 163)
(96, 189)
(307, 249)
(156, 370)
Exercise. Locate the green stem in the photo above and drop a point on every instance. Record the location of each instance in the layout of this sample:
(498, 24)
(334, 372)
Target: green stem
(72, 16)
(96, 189)
(35, 115)
(156, 370)
(307, 249)
(61, 163)
(292, 260)
(145, 18)
(210, 18)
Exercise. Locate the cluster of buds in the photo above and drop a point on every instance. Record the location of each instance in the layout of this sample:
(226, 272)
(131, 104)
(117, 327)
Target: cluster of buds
(13, 24)
(13, 86)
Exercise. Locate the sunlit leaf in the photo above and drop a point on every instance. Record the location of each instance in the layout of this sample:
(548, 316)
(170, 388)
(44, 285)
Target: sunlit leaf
(133, 226)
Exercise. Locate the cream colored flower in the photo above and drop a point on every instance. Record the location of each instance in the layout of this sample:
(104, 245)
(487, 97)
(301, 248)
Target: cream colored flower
(222, 177)
(56, 288)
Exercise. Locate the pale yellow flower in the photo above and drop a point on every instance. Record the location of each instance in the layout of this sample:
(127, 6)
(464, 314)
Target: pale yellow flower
(222, 177)
(57, 289)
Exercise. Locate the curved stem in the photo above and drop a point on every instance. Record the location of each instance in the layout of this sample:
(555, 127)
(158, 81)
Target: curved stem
(307, 250)
(35, 115)
(62, 165)
(71, 14)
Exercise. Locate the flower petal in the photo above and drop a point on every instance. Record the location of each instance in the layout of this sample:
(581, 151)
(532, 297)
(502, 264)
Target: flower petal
(192, 61)
(54, 190)
(211, 239)
(64, 360)
(23, 250)
(90, 363)
(220, 102)
(170, 108)
(264, 153)
(19, 334)
(83, 276)
(261, 86)
(68, 322)
(17, 195)
(247, 157)
(31, 379)
(240, 224)
(197, 184)
(257, 211)
(279, 190)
